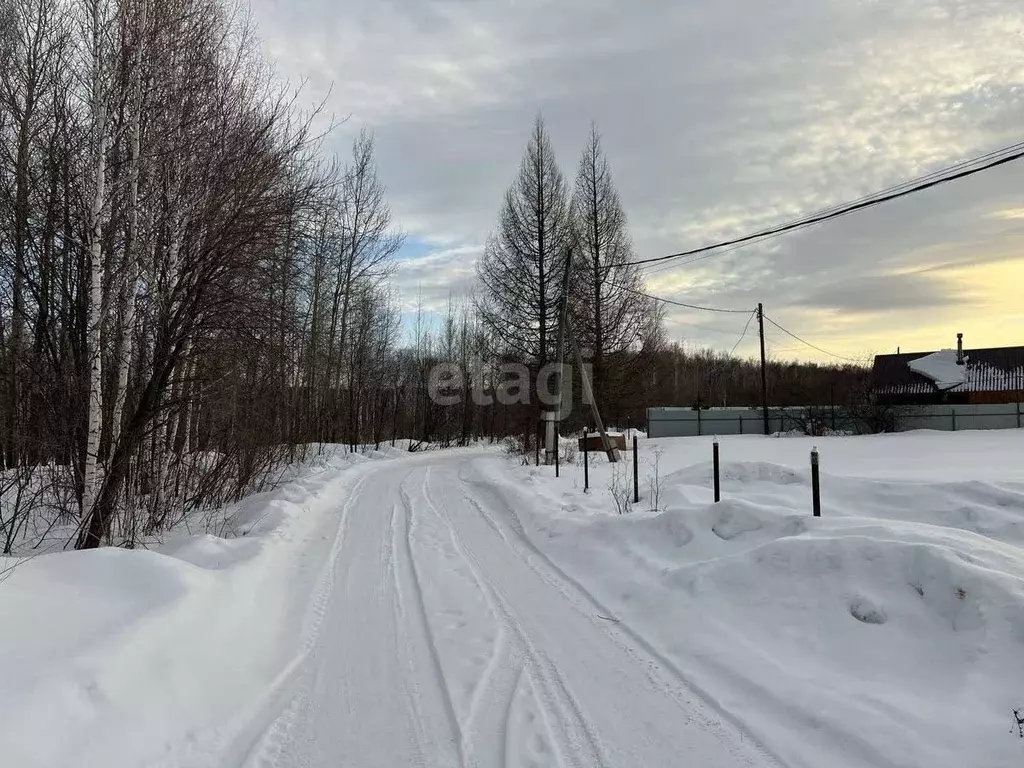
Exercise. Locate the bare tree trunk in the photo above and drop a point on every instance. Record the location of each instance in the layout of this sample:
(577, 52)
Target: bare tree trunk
(94, 352)
(133, 260)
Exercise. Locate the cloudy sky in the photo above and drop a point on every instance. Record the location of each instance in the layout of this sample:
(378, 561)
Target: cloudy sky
(719, 117)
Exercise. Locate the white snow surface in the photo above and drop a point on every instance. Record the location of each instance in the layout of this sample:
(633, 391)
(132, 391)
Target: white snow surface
(941, 368)
(888, 632)
(456, 609)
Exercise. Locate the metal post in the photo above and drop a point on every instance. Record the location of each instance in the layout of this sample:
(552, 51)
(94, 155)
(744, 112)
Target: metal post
(1018, 415)
(586, 460)
(764, 372)
(536, 439)
(718, 485)
(557, 441)
(815, 483)
(636, 474)
(952, 412)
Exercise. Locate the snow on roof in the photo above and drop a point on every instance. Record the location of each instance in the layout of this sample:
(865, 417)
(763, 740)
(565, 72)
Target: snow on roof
(986, 370)
(941, 368)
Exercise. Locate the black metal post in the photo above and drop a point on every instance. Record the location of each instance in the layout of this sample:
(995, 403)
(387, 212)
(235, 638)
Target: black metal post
(815, 483)
(537, 440)
(718, 485)
(557, 463)
(636, 474)
(586, 460)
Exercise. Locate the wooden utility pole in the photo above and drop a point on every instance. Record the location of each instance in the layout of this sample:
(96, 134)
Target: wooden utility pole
(565, 329)
(551, 435)
(764, 371)
(588, 394)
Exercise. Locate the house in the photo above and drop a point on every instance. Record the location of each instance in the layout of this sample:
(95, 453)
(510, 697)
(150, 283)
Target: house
(950, 376)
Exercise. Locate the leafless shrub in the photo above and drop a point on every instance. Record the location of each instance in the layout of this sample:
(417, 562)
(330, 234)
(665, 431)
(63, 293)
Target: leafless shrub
(570, 453)
(618, 487)
(654, 480)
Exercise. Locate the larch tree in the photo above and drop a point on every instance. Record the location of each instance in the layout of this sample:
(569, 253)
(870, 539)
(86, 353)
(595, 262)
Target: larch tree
(521, 271)
(610, 317)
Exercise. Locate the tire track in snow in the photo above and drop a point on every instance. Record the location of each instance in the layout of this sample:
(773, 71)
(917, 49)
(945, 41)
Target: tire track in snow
(632, 642)
(426, 633)
(578, 745)
(389, 579)
(252, 737)
(276, 721)
(492, 694)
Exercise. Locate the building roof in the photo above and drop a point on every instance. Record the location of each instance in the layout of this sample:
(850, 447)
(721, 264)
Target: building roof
(986, 370)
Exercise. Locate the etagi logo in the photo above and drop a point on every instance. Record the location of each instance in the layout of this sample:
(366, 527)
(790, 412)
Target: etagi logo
(504, 383)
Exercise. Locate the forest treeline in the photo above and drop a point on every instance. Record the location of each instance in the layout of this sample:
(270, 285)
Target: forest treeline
(193, 288)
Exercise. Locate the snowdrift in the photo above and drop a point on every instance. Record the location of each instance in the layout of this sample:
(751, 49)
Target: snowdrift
(116, 658)
(889, 632)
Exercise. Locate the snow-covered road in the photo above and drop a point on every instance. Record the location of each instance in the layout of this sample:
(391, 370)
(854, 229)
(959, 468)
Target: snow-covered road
(446, 639)
(452, 608)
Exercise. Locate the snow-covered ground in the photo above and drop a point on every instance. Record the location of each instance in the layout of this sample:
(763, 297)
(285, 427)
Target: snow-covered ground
(130, 658)
(455, 608)
(889, 632)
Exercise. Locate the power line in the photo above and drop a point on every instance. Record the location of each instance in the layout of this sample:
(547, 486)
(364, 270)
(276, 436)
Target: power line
(807, 343)
(744, 334)
(955, 172)
(731, 332)
(679, 303)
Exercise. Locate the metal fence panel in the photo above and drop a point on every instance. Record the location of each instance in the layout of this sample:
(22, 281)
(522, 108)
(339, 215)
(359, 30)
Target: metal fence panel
(686, 422)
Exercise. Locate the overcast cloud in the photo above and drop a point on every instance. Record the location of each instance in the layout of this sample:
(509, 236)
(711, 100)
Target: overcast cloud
(719, 116)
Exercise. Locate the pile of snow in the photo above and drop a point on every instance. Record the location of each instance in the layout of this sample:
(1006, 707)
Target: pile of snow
(889, 632)
(941, 368)
(110, 657)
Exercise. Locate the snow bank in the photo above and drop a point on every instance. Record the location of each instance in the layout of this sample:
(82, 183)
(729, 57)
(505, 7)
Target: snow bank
(123, 654)
(889, 632)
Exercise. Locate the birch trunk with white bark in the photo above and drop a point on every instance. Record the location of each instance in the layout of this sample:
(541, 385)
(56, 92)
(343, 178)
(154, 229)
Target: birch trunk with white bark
(133, 262)
(94, 352)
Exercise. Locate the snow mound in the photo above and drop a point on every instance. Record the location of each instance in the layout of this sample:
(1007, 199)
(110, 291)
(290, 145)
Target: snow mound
(117, 659)
(102, 593)
(888, 632)
(739, 472)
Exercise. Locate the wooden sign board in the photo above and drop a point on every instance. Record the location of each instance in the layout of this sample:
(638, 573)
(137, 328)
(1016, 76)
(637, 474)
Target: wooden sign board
(593, 442)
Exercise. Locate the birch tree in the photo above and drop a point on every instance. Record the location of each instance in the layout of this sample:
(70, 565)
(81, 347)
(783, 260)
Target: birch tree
(99, 25)
(131, 268)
